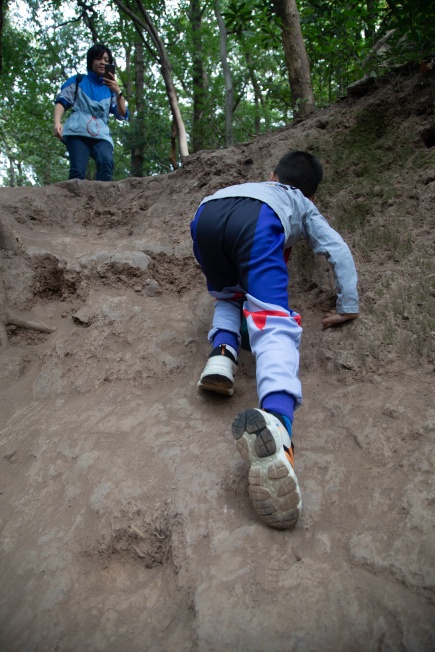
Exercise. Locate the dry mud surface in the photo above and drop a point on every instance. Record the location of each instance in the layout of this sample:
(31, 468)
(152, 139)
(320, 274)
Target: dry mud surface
(125, 518)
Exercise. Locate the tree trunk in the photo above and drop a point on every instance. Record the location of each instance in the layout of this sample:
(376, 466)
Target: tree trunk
(138, 146)
(298, 65)
(11, 172)
(173, 156)
(258, 96)
(47, 173)
(229, 91)
(145, 23)
(3, 9)
(20, 175)
(199, 77)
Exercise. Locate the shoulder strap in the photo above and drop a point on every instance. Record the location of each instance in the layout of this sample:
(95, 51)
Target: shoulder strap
(79, 78)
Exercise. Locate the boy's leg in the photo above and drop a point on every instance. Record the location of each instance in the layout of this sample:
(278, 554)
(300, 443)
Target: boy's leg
(273, 329)
(263, 436)
(221, 367)
(208, 235)
(227, 318)
(275, 338)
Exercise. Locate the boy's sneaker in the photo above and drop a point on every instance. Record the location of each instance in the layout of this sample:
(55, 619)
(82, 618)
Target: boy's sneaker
(273, 485)
(219, 372)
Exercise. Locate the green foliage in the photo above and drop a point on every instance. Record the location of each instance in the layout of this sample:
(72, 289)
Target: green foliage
(35, 71)
(414, 22)
(157, 133)
(42, 50)
(338, 36)
(342, 39)
(253, 22)
(25, 112)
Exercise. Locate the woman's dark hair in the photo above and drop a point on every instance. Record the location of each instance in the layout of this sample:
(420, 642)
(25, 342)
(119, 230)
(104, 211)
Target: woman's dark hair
(301, 170)
(96, 52)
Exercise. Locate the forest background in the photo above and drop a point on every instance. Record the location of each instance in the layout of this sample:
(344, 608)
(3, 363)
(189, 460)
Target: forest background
(223, 64)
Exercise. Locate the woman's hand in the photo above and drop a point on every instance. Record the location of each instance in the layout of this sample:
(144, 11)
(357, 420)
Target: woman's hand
(59, 110)
(114, 87)
(334, 318)
(58, 130)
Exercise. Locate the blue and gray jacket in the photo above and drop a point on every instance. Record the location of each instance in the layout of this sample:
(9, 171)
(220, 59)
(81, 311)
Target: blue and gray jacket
(301, 219)
(92, 102)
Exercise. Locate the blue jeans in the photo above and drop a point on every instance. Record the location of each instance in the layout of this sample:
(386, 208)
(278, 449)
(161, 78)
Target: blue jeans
(80, 148)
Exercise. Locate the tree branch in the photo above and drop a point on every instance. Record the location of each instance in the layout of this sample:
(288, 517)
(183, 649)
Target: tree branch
(89, 21)
(69, 22)
(140, 23)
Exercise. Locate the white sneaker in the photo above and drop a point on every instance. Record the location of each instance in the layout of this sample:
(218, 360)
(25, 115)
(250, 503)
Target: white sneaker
(219, 372)
(273, 486)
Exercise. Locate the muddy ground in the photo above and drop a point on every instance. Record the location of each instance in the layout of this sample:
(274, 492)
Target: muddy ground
(125, 518)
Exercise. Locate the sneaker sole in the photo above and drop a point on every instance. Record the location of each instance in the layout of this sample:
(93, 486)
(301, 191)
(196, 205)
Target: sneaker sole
(218, 376)
(217, 383)
(273, 485)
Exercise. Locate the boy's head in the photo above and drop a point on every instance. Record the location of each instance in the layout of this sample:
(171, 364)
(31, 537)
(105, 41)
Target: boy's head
(301, 170)
(97, 52)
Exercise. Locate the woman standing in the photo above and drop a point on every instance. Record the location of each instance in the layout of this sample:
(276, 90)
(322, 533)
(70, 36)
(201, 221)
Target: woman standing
(92, 97)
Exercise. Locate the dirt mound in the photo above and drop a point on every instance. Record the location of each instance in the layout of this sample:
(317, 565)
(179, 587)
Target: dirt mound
(126, 522)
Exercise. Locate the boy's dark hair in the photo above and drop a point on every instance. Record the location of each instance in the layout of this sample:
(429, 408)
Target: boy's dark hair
(301, 170)
(96, 52)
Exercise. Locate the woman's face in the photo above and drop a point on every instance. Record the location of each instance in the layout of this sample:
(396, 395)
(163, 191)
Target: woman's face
(98, 64)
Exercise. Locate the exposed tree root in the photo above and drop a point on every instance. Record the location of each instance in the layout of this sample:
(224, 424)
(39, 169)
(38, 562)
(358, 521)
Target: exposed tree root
(10, 317)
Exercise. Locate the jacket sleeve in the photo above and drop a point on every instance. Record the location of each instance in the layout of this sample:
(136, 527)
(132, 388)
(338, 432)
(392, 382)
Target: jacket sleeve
(324, 240)
(67, 93)
(114, 109)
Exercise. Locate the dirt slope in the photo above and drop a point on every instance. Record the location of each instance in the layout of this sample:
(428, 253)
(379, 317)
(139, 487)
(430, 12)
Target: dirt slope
(125, 519)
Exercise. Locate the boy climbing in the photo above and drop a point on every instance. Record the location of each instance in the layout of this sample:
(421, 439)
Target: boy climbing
(241, 237)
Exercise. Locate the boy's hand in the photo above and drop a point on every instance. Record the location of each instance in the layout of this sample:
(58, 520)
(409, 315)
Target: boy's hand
(334, 318)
